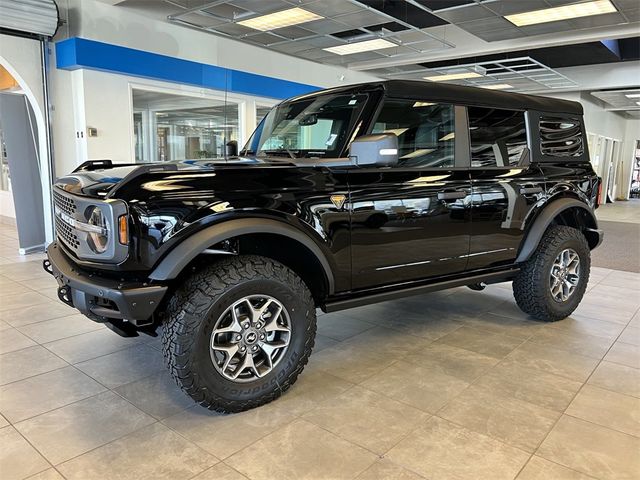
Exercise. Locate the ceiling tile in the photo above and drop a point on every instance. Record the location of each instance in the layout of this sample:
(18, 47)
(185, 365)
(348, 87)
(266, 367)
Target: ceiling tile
(264, 38)
(261, 6)
(597, 21)
(544, 28)
(486, 24)
(324, 26)
(390, 26)
(226, 10)
(406, 12)
(508, 7)
(294, 32)
(323, 42)
(499, 35)
(466, 14)
(202, 20)
(234, 29)
(351, 33)
(362, 18)
(331, 8)
(441, 4)
(290, 47)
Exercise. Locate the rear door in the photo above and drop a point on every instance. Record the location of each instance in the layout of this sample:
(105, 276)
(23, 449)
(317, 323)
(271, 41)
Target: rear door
(505, 185)
(411, 221)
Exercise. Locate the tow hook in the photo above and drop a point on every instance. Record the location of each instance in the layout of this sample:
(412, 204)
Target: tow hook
(478, 287)
(64, 294)
(46, 264)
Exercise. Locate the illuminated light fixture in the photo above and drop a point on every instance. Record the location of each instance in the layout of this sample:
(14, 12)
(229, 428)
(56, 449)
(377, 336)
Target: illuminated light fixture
(637, 103)
(359, 47)
(453, 76)
(497, 86)
(422, 104)
(447, 137)
(629, 95)
(396, 131)
(418, 153)
(284, 18)
(566, 12)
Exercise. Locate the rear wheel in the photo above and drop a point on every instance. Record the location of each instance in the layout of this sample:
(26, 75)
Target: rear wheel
(552, 282)
(239, 333)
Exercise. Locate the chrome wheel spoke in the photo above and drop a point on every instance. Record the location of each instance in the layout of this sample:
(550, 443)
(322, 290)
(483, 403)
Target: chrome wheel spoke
(246, 363)
(565, 275)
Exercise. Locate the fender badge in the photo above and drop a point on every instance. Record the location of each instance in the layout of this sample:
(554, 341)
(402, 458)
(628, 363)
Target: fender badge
(338, 201)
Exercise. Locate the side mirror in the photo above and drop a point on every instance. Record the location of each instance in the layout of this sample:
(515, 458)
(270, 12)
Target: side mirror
(231, 149)
(378, 150)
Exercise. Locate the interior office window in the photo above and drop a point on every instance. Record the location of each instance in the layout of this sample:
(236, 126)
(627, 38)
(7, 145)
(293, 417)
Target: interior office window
(498, 137)
(261, 112)
(426, 132)
(178, 127)
(561, 137)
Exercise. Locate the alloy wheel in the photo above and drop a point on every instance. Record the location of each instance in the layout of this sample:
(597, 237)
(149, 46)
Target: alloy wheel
(565, 275)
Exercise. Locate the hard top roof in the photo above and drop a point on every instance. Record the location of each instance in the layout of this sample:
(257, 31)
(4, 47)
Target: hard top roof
(457, 94)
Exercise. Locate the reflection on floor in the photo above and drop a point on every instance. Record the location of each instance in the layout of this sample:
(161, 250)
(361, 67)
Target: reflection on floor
(620, 249)
(456, 384)
(620, 211)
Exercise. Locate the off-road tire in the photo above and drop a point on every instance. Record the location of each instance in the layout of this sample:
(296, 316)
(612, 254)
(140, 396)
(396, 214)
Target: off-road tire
(531, 286)
(197, 304)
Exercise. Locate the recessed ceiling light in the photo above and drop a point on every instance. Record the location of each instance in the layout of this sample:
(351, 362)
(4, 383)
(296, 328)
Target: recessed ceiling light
(453, 76)
(576, 10)
(632, 95)
(497, 86)
(359, 47)
(422, 104)
(284, 18)
(447, 137)
(637, 103)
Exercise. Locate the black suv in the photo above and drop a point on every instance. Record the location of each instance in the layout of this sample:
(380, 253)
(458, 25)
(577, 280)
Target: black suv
(341, 198)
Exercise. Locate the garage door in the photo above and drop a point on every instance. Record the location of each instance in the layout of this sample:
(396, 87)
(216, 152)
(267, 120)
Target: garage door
(32, 17)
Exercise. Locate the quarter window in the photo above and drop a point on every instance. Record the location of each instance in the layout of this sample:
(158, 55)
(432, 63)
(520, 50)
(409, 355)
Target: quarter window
(561, 137)
(425, 132)
(498, 137)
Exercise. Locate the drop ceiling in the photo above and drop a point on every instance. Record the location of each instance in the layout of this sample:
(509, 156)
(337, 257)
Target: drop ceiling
(625, 101)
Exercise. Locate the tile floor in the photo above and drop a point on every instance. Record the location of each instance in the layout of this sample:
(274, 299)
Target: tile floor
(450, 385)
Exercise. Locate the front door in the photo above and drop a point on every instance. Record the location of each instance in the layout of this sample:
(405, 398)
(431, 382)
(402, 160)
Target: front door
(411, 221)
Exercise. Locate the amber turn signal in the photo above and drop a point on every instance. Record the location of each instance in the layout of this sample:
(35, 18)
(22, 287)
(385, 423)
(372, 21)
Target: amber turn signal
(123, 230)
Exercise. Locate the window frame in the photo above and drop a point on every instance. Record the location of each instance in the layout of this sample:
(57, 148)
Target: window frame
(536, 144)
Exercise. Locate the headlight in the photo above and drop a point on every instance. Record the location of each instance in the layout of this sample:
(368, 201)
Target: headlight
(98, 232)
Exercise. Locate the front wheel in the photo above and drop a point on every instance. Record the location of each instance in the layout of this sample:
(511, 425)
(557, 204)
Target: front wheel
(552, 282)
(239, 333)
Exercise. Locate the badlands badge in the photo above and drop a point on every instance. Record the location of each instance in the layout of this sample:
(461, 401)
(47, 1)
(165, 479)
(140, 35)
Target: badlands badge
(338, 201)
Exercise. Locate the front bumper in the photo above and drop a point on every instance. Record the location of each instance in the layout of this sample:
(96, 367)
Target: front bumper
(117, 302)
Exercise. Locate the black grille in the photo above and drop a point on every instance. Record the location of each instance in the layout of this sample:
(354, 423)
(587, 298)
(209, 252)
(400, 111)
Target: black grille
(66, 204)
(65, 233)
(561, 137)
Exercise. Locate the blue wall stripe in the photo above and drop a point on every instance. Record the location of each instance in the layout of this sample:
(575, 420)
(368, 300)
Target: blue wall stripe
(75, 53)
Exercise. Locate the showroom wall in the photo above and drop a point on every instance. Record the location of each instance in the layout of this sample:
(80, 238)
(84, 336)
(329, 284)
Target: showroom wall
(88, 98)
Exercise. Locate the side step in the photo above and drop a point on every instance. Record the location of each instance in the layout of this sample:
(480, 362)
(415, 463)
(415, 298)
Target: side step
(337, 304)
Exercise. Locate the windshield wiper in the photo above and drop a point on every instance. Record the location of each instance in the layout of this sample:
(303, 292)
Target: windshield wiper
(280, 152)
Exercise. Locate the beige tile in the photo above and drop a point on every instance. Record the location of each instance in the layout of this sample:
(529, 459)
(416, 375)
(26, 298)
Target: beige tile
(91, 345)
(535, 386)
(552, 360)
(631, 335)
(28, 362)
(387, 341)
(624, 354)
(50, 474)
(366, 418)
(540, 469)
(224, 435)
(158, 395)
(21, 300)
(3, 422)
(340, 327)
(82, 426)
(18, 459)
(603, 312)
(57, 328)
(35, 395)
(619, 278)
(592, 449)
(501, 325)
(12, 340)
(322, 342)
(415, 385)
(512, 421)
(36, 313)
(4, 325)
(607, 408)
(8, 289)
(511, 310)
(587, 326)
(492, 345)
(220, 471)
(300, 451)
(384, 469)
(123, 366)
(426, 323)
(154, 452)
(19, 272)
(614, 294)
(442, 450)
(618, 378)
(578, 343)
(457, 362)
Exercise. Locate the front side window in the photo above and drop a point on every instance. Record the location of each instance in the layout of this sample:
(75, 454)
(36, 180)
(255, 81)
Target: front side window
(498, 137)
(426, 132)
(317, 126)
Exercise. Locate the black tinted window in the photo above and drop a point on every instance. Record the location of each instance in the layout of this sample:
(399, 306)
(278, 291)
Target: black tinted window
(498, 137)
(561, 137)
(425, 132)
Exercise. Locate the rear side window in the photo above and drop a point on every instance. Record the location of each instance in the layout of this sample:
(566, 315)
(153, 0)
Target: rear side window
(425, 132)
(498, 137)
(561, 137)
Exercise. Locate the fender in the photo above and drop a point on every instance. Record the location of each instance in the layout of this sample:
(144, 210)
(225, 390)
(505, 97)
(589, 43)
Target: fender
(171, 265)
(540, 225)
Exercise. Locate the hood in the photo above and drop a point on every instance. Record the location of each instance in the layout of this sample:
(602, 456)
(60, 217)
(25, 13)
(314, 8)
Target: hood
(100, 182)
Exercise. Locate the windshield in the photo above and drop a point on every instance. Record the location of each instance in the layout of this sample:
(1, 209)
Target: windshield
(317, 126)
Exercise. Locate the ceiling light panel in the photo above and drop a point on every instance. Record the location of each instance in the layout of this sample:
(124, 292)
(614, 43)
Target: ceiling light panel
(632, 95)
(284, 18)
(359, 47)
(577, 10)
(497, 86)
(453, 76)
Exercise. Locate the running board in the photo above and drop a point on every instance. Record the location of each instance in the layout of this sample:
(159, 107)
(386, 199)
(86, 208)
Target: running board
(336, 305)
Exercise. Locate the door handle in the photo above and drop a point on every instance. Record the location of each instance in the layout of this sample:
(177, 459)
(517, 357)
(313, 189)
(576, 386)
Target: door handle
(530, 190)
(452, 195)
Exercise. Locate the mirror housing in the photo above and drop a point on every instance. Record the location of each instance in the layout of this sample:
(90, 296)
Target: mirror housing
(379, 150)
(231, 149)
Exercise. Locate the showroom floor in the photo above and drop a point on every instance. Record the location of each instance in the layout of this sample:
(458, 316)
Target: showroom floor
(451, 385)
